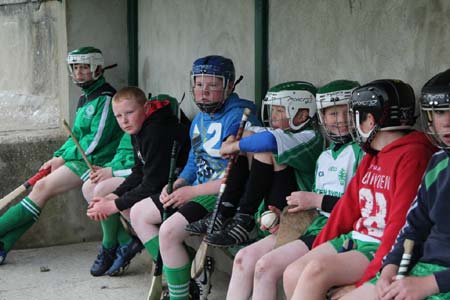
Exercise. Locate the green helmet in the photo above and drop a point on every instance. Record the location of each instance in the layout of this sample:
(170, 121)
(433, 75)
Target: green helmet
(337, 92)
(293, 95)
(86, 55)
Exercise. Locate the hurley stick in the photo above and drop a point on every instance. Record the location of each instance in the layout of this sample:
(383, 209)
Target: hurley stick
(75, 140)
(408, 246)
(22, 188)
(293, 225)
(199, 259)
(124, 222)
(156, 286)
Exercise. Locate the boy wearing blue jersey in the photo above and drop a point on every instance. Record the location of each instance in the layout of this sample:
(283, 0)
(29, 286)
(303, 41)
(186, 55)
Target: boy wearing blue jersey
(282, 161)
(195, 190)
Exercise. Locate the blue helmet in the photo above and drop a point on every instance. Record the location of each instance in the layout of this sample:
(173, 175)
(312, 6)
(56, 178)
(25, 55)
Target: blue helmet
(217, 66)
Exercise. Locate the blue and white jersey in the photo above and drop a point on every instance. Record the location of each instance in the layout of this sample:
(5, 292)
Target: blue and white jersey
(207, 133)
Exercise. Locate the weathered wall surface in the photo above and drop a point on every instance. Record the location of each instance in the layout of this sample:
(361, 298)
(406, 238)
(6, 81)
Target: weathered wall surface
(32, 81)
(173, 33)
(101, 24)
(34, 97)
(64, 219)
(363, 40)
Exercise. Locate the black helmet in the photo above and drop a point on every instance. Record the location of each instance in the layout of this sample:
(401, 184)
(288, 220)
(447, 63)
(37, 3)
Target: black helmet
(435, 96)
(390, 101)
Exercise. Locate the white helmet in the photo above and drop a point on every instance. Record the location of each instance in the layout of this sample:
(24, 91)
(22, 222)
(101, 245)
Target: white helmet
(86, 55)
(293, 95)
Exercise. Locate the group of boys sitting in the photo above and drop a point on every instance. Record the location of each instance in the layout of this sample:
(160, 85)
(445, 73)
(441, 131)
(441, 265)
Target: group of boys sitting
(377, 183)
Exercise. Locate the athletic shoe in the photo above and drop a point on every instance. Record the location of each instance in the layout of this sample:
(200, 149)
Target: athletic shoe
(104, 261)
(238, 230)
(3, 254)
(165, 295)
(124, 255)
(200, 287)
(200, 227)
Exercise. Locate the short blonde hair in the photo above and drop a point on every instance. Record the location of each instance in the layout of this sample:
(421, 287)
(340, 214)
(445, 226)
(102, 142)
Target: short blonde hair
(130, 93)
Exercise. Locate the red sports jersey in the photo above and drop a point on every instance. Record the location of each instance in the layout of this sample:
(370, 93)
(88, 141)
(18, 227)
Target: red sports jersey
(378, 197)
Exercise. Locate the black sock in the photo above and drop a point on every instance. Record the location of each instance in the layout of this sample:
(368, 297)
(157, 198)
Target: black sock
(237, 178)
(258, 186)
(283, 184)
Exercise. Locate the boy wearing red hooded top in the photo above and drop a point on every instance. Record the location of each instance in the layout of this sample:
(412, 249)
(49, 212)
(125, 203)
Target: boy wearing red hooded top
(153, 128)
(374, 206)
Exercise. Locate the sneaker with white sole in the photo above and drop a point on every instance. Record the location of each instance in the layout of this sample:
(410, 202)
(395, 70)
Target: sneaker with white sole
(201, 286)
(241, 229)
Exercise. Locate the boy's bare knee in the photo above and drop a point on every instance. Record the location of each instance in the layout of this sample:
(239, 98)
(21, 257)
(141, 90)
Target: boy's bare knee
(86, 189)
(168, 233)
(41, 190)
(264, 267)
(240, 260)
(101, 190)
(315, 269)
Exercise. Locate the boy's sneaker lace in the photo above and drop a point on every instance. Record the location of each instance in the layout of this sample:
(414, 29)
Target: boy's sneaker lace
(238, 230)
(124, 255)
(104, 261)
(200, 227)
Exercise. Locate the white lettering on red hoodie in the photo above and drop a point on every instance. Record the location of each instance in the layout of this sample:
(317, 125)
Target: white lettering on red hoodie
(375, 204)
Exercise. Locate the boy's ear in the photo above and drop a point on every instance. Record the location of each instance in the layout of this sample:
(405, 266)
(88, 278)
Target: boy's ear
(301, 116)
(371, 120)
(147, 106)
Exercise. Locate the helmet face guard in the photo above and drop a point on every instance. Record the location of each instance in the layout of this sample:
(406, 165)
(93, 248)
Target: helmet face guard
(330, 101)
(209, 92)
(435, 107)
(362, 103)
(211, 75)
(293, 96)
(85, 56)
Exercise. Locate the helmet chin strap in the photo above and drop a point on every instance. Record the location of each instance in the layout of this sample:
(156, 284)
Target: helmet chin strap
(365, 138)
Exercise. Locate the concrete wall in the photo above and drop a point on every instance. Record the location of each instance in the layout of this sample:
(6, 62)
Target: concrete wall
(173, 33)
(32, 82)
(363, 40)
(102, 24)
(34, 93)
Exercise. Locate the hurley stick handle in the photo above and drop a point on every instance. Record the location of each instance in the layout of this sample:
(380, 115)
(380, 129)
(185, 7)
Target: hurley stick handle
(408, 246)
(199, 260)
(155, 290)
(75, 140)
(223, 185)
(173, 161)
(23, 187)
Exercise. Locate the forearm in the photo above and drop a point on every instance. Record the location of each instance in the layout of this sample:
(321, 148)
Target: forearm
(208, 188)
